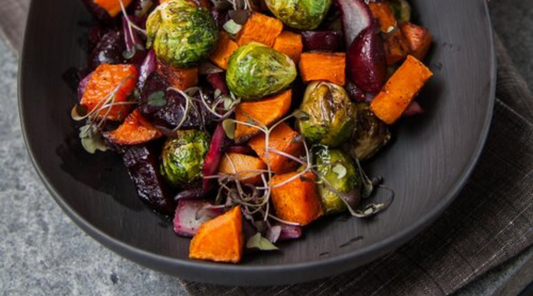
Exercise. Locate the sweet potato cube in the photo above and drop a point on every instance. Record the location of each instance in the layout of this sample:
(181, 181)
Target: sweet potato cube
(112, 6)
(110, 84)
(181, 79)
(316, 66)
(296, 201)
(245, 166)
(266, 111)
(283, 139)
(290, 44)
(134, 130)
(220, 239)
(260, 28)
(396, 47)
(418, 38)
(400, 90)
(225, 48)
(382, 11)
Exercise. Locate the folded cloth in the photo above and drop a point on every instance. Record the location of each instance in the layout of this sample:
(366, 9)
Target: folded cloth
(489, 223)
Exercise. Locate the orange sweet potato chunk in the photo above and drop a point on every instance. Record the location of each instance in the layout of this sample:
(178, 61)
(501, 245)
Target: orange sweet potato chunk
(290, 44)
(382, 11)
(112, 6)
(225, 48)
(266, 111)
(220, 239)
(108, 82)
(396, 47)
(296, 201)
(260, 28)
(418, 38)
(181, 79)
(317, 66)
(400, 90)
(134, 130)
(283, 139)
(244, 166)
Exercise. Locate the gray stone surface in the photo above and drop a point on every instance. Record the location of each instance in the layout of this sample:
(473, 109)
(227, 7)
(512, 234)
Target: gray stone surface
(41, 251)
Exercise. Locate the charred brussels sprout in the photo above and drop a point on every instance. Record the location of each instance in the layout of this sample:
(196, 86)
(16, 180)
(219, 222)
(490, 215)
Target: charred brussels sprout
(370, 136)
(401, 9)
(182, 159)
(300, 14)
(330, 116)
(339, 170)
(255, 71)
(182, 34)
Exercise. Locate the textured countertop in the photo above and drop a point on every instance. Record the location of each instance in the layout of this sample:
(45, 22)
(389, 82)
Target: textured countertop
(43, 253)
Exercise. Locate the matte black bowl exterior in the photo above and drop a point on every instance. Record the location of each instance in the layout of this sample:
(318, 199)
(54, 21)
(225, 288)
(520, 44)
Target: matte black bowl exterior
(427, 164)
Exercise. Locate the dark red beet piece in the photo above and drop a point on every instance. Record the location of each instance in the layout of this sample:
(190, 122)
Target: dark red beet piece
(98, 12)
(220, 17)
(323, 41)
(214, 155)
(170, 115)
(143, 167)
(240, 149)
(109, 50)
(355, 93)
(218, 81)
(367, 65)
(195, 193)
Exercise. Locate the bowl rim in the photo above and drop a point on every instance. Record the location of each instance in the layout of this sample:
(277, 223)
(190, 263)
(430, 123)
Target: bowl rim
(226, 274)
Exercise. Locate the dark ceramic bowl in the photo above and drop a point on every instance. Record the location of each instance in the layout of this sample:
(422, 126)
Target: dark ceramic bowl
(427, 164)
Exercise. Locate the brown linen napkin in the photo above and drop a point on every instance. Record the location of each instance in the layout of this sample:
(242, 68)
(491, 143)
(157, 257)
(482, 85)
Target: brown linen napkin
(489, 223)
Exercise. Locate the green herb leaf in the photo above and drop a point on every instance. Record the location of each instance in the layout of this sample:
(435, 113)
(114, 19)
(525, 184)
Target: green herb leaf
(128, 54)
(259, 242)
(229, 128)
(92, 140)
(157, 99)
(340, 170)
(232, 27)
(218, 92)
(228, 103)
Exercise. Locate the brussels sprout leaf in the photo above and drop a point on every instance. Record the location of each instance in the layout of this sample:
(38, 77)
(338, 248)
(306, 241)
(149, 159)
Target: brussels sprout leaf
(259, 242)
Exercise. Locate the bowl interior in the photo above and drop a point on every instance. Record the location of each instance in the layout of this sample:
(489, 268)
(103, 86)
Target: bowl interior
(426, 164)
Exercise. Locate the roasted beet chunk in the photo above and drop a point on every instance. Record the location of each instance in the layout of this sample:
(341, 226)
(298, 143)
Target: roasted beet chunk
(169, 111)
(109, 50)
(143, 166)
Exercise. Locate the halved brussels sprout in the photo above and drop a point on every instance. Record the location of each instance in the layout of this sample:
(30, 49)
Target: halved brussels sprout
(182, 34)
(256, 70)
(339, 170)
(370, 136)
(330, 115)
(182, 159)
(300, 14)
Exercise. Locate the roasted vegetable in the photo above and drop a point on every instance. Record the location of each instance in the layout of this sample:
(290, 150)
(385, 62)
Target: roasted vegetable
(356, 17)
(260, 28)
(220, 239)
(256, 71)
(300, 14)
(110, 84)
(290, 44)
(296, 201)
(283, 139)
(244, 166)
(182, 34)
(108, 50)
(367, 64)
(400, 90)
(316, 66)
(396, 47)
(178, 78)
(182, 159)
(142, 164)
(266, 112)
(134, 130)
(401, 9)
(112, 6)
(332, 41)
(371, 134)
(383, 12)
(330, 115)
(187, 220)
(340, 172)
(225, 48)
(214, 156)
(418, 38)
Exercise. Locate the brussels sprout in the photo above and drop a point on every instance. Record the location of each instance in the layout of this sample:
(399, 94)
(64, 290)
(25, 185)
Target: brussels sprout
(255, 71)
(182, 159)
(330, 115)
(300, 14)
(401, 9)
(182, 34)
(339, 170)
(371, 134)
